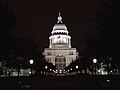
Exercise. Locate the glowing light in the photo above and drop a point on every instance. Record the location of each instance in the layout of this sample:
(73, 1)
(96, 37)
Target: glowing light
(98, 70)
(94, 60)
(31, 61)
(108, 80)
(60, 71)
(56, 71)
(46, 67)
(76, 67)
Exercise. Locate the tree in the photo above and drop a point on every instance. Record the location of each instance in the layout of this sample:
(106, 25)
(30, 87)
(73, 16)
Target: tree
(12, 47)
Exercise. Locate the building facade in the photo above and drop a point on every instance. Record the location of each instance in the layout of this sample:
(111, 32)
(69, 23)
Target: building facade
(60, 53)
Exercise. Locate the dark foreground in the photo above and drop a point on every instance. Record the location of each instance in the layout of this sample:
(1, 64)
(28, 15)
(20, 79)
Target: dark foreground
(81, 82)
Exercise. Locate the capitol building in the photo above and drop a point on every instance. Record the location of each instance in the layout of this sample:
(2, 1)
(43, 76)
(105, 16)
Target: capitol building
(60, 52)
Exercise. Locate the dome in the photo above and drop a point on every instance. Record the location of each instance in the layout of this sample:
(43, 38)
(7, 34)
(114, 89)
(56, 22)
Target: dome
(60, 37)
(59, 27)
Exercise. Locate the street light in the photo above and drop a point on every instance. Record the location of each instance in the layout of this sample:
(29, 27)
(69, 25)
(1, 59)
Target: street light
(77, 69)
(71, 69)
(95, 61)
(46, 67)
(46, 70)
(31, 62)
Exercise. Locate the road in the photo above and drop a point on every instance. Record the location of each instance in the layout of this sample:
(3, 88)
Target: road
(82, 82)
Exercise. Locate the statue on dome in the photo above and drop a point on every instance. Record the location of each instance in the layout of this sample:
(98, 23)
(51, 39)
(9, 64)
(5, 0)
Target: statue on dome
(59, 18)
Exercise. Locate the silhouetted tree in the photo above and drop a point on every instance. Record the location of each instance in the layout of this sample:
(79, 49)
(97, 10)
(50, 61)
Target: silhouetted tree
(12, 47)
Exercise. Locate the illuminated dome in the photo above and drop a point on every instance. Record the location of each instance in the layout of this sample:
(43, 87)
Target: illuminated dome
(59, 28)
(60, 37)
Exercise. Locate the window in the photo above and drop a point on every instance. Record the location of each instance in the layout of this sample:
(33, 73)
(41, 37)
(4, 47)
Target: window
(70, 53)
(49, 59)
(64, 65)
(60, 65)
(71, 59)
(56, 60)
(56, 65)
(60, 60)
(48, 53)
(64, 60)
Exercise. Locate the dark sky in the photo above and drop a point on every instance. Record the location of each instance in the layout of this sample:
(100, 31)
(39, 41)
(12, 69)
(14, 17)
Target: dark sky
(36, 18)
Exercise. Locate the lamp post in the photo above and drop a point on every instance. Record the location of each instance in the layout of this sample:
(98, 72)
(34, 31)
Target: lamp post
(76, 68)
(31, 63)
(95, 61)
(46, 67)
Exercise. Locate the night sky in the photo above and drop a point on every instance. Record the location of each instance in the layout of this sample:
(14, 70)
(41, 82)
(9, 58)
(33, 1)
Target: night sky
(36, 18)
